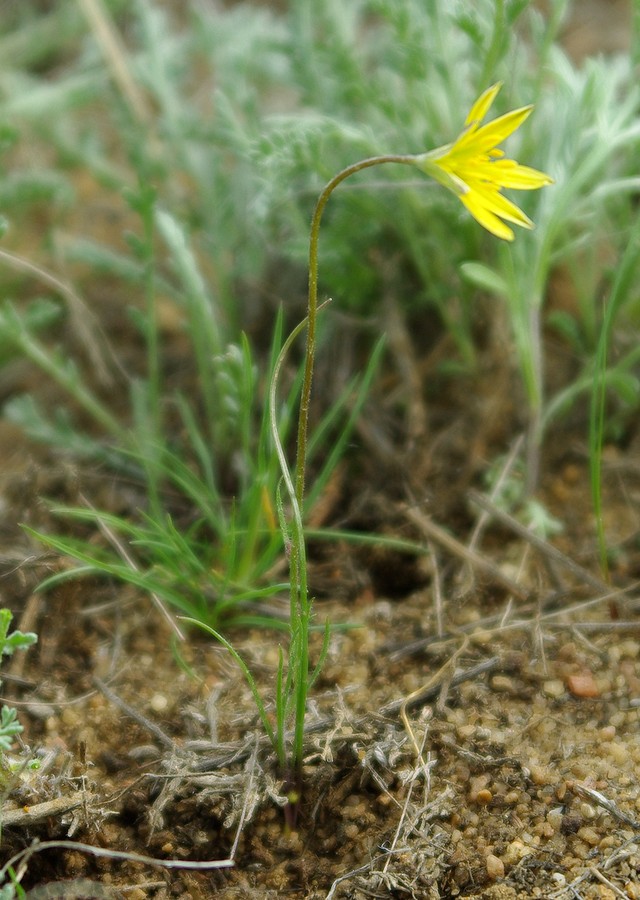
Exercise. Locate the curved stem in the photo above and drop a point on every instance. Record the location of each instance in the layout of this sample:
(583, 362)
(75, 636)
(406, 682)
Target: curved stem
(303, 418)
(300, 606)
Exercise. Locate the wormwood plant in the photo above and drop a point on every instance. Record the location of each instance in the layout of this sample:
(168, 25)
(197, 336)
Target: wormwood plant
(9, 725)
(475, 170)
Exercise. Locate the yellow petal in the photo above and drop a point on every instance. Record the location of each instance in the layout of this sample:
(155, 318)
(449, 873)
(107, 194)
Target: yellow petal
(493, 133)
(482, 105)
(487, 219)
(510, 174)
(489, 197)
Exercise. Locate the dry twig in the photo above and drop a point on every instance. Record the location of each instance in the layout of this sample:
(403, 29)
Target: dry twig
(435, 533)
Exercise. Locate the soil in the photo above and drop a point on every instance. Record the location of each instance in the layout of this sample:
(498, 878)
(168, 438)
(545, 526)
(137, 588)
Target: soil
(474, 734)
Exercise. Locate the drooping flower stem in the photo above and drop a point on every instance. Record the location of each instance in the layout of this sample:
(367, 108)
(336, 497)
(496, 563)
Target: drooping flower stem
(300, 605)
(303, 418)
(476, 171)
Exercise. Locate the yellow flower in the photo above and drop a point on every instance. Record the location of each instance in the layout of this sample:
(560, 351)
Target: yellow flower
(476, 171)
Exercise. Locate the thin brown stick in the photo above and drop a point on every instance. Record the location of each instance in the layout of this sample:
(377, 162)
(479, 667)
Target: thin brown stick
(115, 54)
(27, 816)
(544, 547)
(36, 846)
(431, 689)
(151, 727)
(437, 591)
(436, 533)
(601, 878)
(443, 674)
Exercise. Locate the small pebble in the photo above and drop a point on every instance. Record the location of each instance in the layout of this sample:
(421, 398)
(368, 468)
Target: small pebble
(540, 775)
(504, 684)
(495, 867)
(554, 818)
(583, 685)
(553, 688)
(618, 752)
(515, 852)
(40, 710)
(589, 836)
(159, 703)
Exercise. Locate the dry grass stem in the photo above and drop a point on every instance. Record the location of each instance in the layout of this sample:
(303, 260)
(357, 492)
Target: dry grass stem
(436, 533)
(547, 550)
(151, 727)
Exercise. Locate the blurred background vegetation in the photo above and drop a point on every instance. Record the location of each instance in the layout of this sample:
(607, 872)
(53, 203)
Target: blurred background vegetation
(159, 164)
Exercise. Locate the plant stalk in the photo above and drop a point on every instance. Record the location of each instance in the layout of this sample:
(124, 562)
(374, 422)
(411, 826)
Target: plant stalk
(300, 606)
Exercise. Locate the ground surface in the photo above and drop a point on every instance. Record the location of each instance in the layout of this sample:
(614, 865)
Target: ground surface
(477, 745)
(477, 736)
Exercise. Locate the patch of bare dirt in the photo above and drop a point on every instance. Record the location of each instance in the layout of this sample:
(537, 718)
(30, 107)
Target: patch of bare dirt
(463, 740)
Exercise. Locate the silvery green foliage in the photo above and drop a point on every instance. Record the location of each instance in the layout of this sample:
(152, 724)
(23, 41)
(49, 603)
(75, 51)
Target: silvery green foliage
(17, 640)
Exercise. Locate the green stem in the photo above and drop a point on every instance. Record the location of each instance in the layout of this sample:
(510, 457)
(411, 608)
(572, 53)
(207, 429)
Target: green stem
(151, 441)
(300, 607)
(303, 418)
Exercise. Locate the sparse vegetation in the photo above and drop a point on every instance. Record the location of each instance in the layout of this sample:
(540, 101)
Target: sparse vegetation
(160, 165)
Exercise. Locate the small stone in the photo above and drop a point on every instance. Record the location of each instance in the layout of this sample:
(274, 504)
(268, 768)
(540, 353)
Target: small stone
(583, 685)
(587, 811)
(159, 703)
(605, 893)
(589, 836)
(484, 797)
(515, 852)
(503, 684)
(478, 783)
(618, 752)
(553, 688)
(495, 867)
(544, 830)
(554, 817)
(540, 775)
(40, 710)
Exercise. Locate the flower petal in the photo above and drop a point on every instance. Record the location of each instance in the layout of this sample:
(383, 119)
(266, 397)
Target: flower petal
(510, 174)
(487, 219)
(493, 133)
(482, 105)
(490, 198)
